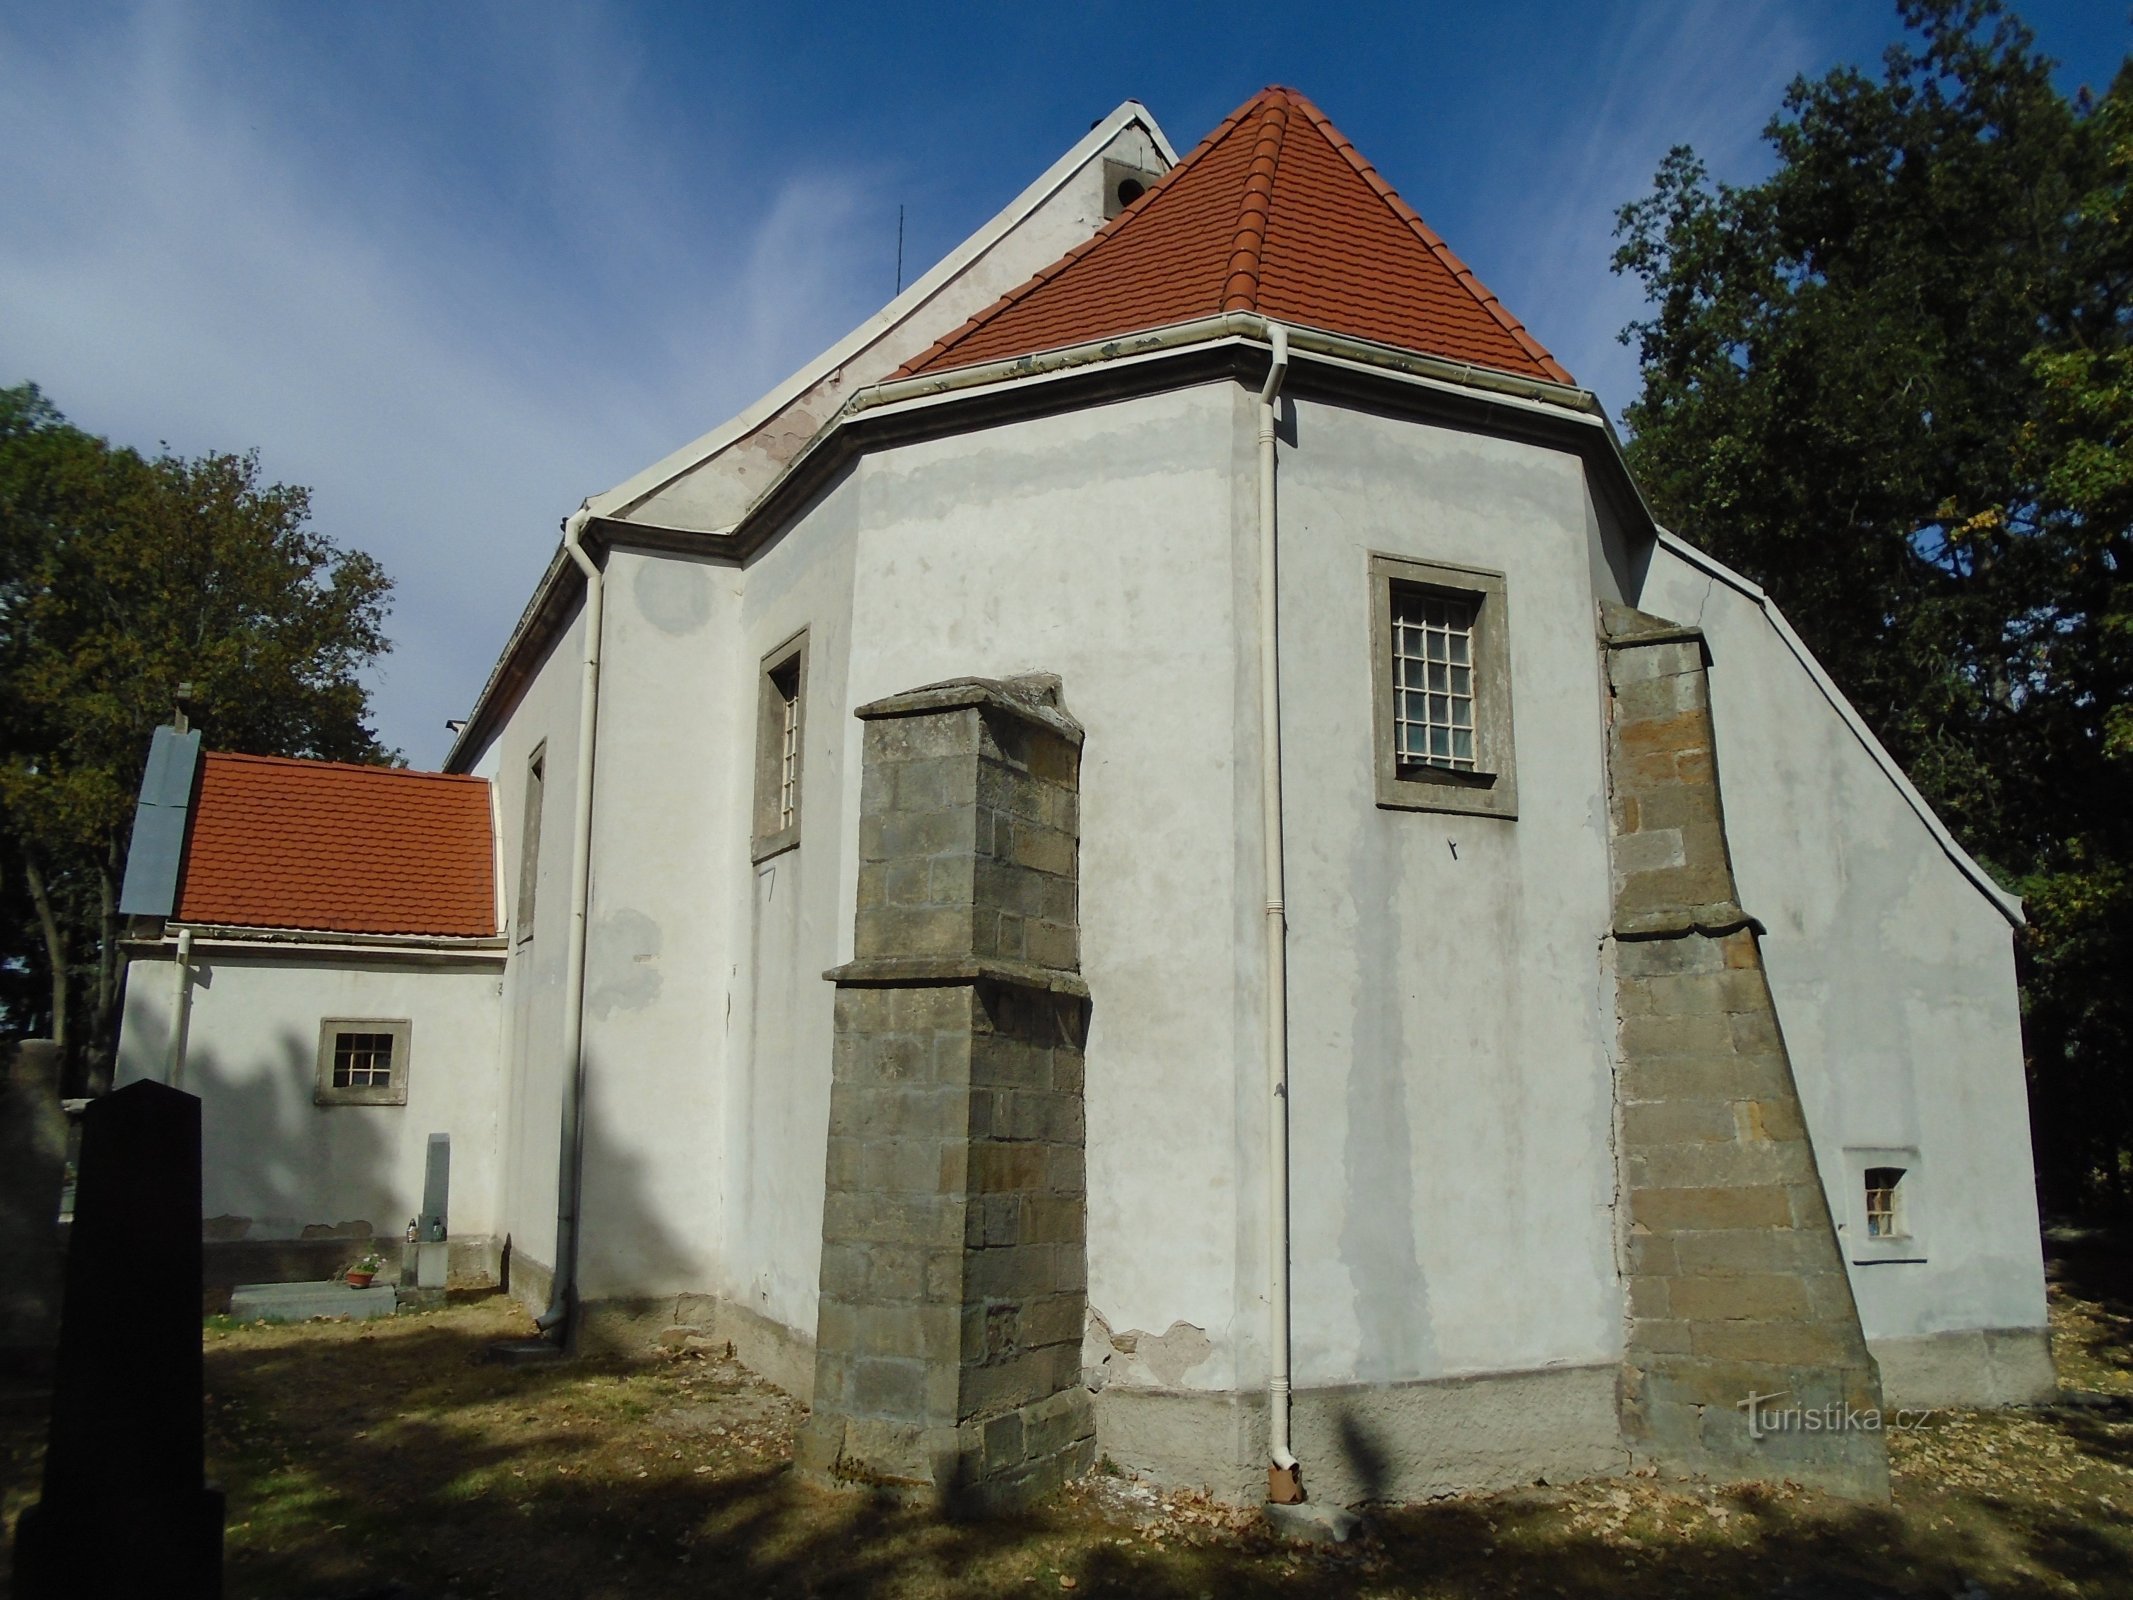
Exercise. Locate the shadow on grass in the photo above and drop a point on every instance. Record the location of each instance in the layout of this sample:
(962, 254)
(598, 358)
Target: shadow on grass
(453, 1477)
(2093, 1264)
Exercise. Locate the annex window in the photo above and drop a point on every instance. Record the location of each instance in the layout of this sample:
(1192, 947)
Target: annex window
(781, 732)
(1885, 1211)
(529, 843)
(362, 1061)
(1441, 688)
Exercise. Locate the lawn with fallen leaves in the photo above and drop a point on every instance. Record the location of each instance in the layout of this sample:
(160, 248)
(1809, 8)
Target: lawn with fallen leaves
(387, 1458)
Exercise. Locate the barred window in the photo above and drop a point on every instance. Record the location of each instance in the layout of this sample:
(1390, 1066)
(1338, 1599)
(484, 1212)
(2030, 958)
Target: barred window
(1440, 682)
(362, 1061)
(1433, 678)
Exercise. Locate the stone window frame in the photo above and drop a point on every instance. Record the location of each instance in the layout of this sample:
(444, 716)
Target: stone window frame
(394, 1093)
(781, 684)
(1492, 789)
(1862, 1247)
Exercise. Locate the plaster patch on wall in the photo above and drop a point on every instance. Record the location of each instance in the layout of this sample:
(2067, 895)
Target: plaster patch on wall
(674, 596)
(1140, 1359)
(623, 964)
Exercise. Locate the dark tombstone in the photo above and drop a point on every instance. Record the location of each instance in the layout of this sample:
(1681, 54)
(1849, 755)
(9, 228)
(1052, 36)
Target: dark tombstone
(126, 1508)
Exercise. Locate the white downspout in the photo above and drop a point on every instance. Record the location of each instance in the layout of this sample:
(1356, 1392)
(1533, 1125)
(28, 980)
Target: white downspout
(181, 1009)
(555, 1321)
(1283, 1480)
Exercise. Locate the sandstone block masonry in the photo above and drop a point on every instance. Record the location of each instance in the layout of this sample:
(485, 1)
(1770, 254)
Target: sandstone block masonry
(1736, 1285)
(954, 1244)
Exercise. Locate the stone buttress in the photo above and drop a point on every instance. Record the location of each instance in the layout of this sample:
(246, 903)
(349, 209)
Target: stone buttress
(954, 1254)
(1737, 1288)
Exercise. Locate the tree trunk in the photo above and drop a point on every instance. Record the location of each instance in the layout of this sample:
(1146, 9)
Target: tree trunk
(55, 950)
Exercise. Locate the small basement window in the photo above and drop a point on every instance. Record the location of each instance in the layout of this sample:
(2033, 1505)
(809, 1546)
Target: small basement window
(362, 1061)
(1886, 1215)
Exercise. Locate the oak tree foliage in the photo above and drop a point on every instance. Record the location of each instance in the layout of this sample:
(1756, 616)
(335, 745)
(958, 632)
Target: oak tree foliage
(1893, 383)
(121, 577)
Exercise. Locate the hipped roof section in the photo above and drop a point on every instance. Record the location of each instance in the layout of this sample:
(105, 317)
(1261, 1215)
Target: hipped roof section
(1276, 213)
(324, 846)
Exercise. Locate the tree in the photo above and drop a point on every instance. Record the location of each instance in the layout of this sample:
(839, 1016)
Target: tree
(120, 578)
(1891, 383)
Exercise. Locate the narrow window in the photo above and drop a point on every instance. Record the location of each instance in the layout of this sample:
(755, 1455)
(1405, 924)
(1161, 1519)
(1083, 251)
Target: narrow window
(1440, 684)
(362, 1061)
(785, 684)
(529, 844)
(1884, 1214)
(781, 742)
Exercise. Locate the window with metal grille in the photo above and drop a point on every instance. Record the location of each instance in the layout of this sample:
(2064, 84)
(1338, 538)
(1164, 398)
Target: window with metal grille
(362, 1060)
(1433, 680)
(1440, 683)
(1884, 1215)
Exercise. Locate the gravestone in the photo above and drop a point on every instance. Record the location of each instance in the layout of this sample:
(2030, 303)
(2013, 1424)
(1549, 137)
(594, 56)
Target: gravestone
(430, 1249)
(126, 1508)
(33, 1163)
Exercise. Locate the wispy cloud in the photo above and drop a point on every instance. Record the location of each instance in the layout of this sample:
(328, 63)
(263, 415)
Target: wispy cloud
(1708, 73)
(194, 254)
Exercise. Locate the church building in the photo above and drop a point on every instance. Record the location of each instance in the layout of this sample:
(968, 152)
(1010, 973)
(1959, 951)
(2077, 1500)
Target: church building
(1154, 857)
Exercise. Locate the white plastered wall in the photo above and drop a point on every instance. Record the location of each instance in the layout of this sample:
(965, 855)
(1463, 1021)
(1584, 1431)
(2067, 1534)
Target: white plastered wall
(657, 976)
(711, 483)
(1103, 545)
(1450, 1014)
(531, 1053)
(785, 919)
(1893, 976)
(269, 1155)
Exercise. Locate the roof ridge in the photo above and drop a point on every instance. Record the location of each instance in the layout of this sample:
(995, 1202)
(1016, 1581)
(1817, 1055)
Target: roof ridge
(1429, 236)
(366, 767)
(1240, 289)
(1140, 208)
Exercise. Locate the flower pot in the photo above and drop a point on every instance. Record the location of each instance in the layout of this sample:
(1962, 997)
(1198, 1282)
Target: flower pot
(360, 1280)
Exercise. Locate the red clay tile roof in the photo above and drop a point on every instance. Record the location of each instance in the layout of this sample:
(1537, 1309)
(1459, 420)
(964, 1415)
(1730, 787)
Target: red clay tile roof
(1277, 213)
(335, 848)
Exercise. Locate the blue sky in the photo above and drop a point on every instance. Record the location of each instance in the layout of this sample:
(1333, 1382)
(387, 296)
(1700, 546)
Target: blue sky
(459, 266)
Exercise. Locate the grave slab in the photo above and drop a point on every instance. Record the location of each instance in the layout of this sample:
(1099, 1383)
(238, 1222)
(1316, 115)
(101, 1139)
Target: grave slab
(299, 1302)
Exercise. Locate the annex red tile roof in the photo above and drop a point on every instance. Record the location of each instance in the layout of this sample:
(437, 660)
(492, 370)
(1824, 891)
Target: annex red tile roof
(322, 845)
(1276, 213)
